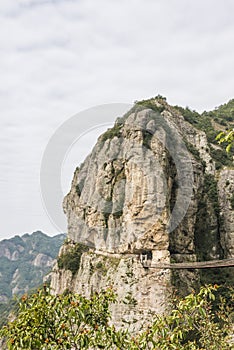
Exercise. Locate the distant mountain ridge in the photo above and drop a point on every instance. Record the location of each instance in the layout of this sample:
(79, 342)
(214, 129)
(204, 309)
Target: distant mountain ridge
(25, 260)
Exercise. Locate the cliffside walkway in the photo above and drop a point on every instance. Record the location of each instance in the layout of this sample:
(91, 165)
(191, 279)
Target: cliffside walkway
(147, 263)
(191, 265)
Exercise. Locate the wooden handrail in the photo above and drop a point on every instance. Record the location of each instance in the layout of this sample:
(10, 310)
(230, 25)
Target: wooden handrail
(191, 265)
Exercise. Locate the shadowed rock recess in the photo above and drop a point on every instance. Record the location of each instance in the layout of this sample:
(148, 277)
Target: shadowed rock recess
(156, 186)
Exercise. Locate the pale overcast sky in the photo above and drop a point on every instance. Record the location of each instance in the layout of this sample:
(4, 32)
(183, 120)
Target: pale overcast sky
(59, 57)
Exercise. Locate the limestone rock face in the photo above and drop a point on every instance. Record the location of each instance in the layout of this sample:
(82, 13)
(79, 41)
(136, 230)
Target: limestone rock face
(145, 192)
(123, 193)
(140, 291)
(226, 191)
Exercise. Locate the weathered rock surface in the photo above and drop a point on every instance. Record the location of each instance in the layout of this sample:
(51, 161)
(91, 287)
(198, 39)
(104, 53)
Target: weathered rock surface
(140, 291)
(146, 188)
(226, 191)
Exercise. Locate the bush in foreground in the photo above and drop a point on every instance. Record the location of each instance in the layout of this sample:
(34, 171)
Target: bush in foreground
(70, 321)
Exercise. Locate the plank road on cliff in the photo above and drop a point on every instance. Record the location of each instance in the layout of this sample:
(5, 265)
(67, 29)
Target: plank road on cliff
(191, 265)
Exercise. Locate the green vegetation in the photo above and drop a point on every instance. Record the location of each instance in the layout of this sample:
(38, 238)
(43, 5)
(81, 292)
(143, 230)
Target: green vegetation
(6, 309)
(191, 116)
(200, 121)
(47, 322)
(206, 236)
(226, 138)
(102, 266)
(192, 149)
(209, 122)
(112, 132)
(211, 190)
(221, 158)
(223, 115)
(70, 260)
(157, 103)
(105, 264)
(129, 300)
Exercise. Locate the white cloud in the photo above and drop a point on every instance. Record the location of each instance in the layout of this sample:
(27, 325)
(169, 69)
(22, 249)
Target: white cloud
(58, 57)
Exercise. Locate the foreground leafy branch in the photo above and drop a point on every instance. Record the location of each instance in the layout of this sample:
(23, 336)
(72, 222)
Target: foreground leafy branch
(226, 137)
(71, 321)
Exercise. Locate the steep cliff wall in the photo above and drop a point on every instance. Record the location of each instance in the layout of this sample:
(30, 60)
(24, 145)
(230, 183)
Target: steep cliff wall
(149, 190)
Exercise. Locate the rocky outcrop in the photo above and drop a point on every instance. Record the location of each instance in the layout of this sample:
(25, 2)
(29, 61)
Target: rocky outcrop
(148, 191)
(43, 260)
(140, 292)
(226, 200)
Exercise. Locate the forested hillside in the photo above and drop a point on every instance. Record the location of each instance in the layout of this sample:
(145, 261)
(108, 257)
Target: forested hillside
(24, 261)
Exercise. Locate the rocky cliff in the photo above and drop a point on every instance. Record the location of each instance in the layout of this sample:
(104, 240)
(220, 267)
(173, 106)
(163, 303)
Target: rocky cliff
(155, 187)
